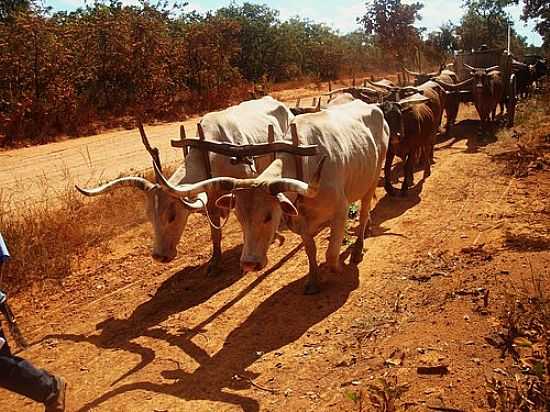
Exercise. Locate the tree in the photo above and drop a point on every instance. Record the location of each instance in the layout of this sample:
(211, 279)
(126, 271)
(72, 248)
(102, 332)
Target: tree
(9, 7)
(258, 27)
(539, 10)
(441, 44)
(392, 23)
(486, 22)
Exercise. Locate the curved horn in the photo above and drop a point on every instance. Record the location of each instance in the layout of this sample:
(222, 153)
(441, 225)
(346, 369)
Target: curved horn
(437, 73)
(453, 87)
(469, 67)
(488, 69)
(194, 189)
(416, 74)
(294, 185)
(330, 93)
(368, 90)
(132, 181)
(380, 86)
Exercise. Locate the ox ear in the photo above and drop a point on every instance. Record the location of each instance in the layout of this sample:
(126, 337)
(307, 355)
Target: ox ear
(409, 102)
(226, 201)
(286, 205)
(273, 171)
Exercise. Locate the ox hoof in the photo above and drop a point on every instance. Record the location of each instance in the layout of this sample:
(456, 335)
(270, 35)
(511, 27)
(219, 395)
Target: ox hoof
(213, 269)
(357, 256)
(311, 289)
(389, 190)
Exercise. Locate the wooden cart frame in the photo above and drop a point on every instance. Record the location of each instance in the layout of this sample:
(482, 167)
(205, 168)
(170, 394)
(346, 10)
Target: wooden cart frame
(490, 58)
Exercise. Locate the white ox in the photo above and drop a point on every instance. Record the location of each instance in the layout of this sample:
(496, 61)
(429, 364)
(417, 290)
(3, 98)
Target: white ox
(352, 139)
(246, 123)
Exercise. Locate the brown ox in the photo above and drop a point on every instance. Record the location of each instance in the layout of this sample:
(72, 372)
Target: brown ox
(487, 89)
(413, 124)
(452, 101)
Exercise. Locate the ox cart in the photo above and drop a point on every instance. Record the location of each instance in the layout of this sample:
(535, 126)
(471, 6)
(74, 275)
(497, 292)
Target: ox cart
(486, 59)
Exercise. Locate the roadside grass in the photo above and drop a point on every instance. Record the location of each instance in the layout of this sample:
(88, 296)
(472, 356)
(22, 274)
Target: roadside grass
(525, 317)
(526, 146)
(46, 238)
(524, 335)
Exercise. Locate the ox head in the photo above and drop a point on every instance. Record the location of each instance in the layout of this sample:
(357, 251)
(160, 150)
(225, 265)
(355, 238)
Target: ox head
(259, 205)
(481, 77)
(393, 113)
(421, 77)
(167, 214)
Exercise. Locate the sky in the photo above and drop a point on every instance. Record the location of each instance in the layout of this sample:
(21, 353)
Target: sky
(341, 14)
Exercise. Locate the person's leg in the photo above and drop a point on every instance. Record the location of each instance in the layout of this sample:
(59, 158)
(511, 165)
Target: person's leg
(20, 376)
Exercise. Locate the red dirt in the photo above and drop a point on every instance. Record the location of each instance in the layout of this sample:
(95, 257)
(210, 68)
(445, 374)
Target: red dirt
(130, 334)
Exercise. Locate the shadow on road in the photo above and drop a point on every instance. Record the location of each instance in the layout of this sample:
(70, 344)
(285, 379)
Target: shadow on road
(281, 319)
(278, 321)
(470, 130)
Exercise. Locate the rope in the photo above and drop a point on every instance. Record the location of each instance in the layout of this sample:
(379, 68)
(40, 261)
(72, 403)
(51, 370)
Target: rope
(220, 227)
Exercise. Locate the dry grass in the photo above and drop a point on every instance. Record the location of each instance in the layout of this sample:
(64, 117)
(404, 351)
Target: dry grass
(525, 335)
(47, 238)
(526, 147)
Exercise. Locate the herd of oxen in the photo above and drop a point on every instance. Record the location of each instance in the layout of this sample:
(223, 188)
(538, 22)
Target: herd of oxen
(358, 130)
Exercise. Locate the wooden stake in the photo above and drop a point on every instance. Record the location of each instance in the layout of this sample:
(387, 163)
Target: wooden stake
(183, 136)
(205, 157)
(298, 159)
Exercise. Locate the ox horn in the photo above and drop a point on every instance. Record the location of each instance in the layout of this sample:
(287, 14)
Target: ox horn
(416, 74)
(133, 181)
(473, 69)
(195, 189)
(380, 86)
(436, 73)
(453, 87)
(488, 69)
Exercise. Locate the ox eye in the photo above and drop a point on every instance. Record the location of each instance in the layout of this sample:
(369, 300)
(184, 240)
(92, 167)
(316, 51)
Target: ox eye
(171, 215)
(268, 218)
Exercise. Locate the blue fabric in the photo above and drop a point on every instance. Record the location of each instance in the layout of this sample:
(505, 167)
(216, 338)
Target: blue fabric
(4, 252)
(20, 376)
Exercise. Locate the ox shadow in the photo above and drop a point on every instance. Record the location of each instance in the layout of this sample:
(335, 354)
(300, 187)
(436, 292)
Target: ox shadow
(390, 207)
(187, 288)
(470, 130)
(278, 321)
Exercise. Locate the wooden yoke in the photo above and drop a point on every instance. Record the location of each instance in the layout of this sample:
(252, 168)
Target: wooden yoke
(297, 159)
(204, 151)
(153, 151)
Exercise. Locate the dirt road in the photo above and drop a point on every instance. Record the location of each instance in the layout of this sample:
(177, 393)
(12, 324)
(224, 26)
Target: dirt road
(130, 334)
(41, 173)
